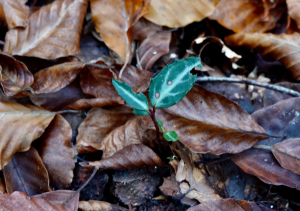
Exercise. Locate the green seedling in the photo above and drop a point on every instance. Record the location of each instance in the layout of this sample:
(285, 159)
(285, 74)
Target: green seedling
(166, 89)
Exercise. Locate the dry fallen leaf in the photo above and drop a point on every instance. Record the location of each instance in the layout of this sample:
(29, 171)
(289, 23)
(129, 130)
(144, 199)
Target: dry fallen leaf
(27, 173)
(14, 12)
(283, 47)
(57, 153)
(178, 13)
(293, 8)
(113, 20)
(99, 205)
(53, 31)
(209, 122)
(21, 125)
(131, 156)
(15, 77)
(248, 16)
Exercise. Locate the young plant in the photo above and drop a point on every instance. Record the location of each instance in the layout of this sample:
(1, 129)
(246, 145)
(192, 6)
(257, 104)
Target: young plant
(166, 89)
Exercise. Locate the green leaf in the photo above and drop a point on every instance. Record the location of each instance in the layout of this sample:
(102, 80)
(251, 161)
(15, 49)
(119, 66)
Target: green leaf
(160, 124)
(137, 101)
(141, 112)
(173, 82)
(171, 136)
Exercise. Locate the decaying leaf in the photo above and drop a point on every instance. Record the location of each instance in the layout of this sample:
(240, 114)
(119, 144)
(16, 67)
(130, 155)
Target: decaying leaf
(27, 173)
(178, 13)
(113, 20)
(21, 125)
(293, 8)
(57, 153)
(208, 122)
(99, 205)
(44, 202)
(2, 186)
(15, 77)
(14, 12)
(282, 47)
(287, 154)
(250, 16)
(229, 204)
(131, 156)
(98, 123)
(53, 31)
(55, 78)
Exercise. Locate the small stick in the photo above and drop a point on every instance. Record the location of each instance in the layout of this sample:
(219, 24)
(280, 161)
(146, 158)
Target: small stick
(130, 207)
(251, 82)
(262, 147)
(68, 111)
(85, 184)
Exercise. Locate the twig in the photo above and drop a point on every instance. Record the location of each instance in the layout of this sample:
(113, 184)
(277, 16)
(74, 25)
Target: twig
(83, 186)
(81, 159)
(68, 111)
(251, 82)
(262, 147)
(130, 207)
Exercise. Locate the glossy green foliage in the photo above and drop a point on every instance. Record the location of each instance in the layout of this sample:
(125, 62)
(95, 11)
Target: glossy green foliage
(137, 101)
(140, 112)
(171, 136)
(173, 82)
(160, 124)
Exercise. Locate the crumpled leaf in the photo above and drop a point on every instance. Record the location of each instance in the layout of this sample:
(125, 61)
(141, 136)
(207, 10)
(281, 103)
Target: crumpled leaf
(178, 13)
(229, 204)
(293, 8)
(57, 153)
(99, 205)
(131, 156)
(55, 78)
(53, 31)
(113, 20)
(21, 125)
(14, 12)
(283, 47)
(208, 122)
(251, 16)
(27, 173)
(15, 76)
(98, 123)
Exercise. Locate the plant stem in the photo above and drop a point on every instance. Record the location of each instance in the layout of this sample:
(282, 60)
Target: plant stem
(152, 115)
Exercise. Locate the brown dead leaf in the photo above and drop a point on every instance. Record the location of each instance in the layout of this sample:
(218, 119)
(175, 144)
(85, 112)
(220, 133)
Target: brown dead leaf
(178, 13)
(113, 20)
(208, 122)
(53, 31)
(14, 12)
(99, 205)
(55, 78)
(27, 173)
(248, 16)
(287, 154)
(21, 201)
(98, 123)
(229, 204)
(21, 125)
(93, 102)
(2, 186)
(283, 47)
(293, 8)
(15, 77)
(57, 153)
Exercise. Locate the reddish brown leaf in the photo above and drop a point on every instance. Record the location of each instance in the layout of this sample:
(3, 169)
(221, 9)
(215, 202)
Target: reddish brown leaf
(99, 205)
(208, 122)
(113, 20)
(57, 153)
(178, 13)
(15, 77)
(55, 78)
(251, 16)
(144, 28)
(94, 102)
(229, 204)
(21, 125)
(132, 156)
(283, 47)
(293, 8)
(21, 201)
(53, 31)
(14, 12)
(98, 123)
(27, 173)
(288, 154)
